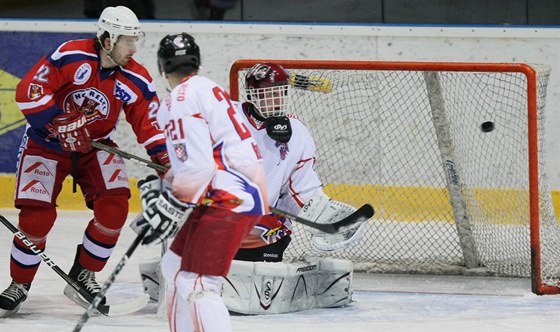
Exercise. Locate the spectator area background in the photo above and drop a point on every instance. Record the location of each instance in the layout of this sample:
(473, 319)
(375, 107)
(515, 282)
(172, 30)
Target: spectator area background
(512, 12)
(24, 41)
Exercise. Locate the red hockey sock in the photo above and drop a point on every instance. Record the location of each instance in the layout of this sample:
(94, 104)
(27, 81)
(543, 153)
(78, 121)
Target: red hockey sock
(103, 231)
(35, 222)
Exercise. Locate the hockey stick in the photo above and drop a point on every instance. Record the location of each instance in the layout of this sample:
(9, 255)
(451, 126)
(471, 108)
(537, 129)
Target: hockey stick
(108, 310)
(362, 214)
(99, 296)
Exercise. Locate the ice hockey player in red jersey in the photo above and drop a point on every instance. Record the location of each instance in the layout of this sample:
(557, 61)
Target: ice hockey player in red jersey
(72, 96)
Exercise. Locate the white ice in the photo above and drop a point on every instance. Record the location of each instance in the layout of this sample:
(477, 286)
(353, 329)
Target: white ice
(382, 302)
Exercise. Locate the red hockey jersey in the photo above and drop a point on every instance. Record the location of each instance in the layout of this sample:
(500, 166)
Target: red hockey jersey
(73, 70)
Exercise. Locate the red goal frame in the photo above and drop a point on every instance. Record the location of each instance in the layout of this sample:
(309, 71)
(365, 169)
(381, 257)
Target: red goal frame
(538, 286)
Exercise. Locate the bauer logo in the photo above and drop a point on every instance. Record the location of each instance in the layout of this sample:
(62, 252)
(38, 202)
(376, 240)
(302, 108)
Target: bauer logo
(83, 74)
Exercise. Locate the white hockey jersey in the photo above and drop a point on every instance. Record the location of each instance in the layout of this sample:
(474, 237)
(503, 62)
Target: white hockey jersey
(291, 178)
(214, 158)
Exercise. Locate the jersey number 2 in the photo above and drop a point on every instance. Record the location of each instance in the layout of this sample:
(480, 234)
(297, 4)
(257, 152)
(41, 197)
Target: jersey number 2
(241, 128)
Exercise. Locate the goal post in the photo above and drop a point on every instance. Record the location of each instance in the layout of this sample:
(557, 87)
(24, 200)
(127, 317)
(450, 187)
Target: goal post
(451, 155)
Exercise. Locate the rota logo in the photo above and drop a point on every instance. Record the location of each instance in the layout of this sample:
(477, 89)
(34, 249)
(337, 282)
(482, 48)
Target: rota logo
(35, 187)
(40, 169)
(113, 160)
(118, 176)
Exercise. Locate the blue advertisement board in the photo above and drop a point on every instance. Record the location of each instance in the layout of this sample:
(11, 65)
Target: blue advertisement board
(19, 52)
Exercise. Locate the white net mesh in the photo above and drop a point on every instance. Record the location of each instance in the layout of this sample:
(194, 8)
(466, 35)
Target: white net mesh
(378, 143)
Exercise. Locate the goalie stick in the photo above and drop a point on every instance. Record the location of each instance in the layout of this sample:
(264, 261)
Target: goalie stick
(360, 215)
(99, 296)
(107, 310)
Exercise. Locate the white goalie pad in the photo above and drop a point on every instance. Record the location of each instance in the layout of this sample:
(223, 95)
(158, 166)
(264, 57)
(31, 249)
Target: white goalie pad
(323, 210)
(275, 288)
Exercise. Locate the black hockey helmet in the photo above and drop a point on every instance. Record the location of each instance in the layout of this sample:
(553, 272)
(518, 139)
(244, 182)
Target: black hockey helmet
(178, 51)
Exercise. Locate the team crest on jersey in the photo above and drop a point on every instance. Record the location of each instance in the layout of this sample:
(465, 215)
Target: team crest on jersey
(35, 91)
(180, 151)
(283, 148)
(92, 102)
(124, 93)
(270, 235)
(83, 74)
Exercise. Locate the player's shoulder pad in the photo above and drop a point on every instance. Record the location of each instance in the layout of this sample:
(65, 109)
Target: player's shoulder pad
(139, 76)
(136, 69)
(73, 51)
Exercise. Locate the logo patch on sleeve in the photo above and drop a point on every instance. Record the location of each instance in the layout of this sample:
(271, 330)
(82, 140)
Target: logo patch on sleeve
(83, 74)
(35, 91)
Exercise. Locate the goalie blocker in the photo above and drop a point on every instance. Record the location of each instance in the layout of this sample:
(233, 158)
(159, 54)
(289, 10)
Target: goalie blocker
(275, 288)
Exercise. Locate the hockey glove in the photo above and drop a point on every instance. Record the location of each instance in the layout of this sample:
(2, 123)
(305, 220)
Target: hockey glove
(338, 241)
(71, 130)
(324, 210)
(164, 216)
(161, 158)
(150, 188)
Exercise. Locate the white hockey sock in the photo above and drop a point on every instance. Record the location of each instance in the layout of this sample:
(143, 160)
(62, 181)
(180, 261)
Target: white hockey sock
(193, 300)
(199, 295)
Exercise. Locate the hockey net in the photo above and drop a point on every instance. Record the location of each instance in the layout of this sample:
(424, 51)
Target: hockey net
(408, 138)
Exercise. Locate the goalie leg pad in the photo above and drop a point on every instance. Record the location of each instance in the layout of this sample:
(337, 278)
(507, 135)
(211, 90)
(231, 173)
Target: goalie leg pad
(150, 278)
(334, 288)
(270, 288)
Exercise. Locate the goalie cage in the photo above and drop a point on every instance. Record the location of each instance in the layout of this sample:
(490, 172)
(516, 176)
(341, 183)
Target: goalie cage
(452, 196)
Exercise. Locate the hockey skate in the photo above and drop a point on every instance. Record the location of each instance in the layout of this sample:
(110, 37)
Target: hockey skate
(86, 280)
(12, 297)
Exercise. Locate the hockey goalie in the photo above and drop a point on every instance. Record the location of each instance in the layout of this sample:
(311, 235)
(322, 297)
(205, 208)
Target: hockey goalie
(259, 281)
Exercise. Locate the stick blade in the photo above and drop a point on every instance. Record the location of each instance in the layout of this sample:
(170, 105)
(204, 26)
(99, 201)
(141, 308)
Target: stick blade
(362, 214)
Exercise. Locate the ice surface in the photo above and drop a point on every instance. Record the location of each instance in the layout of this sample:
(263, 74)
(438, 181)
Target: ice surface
(382, 302)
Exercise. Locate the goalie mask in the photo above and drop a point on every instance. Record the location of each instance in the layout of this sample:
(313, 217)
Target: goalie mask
(267, 88)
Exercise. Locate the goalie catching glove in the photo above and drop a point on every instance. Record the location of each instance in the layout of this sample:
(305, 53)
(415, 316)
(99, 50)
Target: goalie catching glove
(164, 217)
(323, 210)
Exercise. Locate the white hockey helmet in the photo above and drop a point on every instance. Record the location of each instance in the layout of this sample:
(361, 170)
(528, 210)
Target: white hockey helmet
(118, 21)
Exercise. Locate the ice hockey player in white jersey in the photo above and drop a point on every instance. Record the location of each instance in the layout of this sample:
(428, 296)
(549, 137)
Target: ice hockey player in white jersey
(259, 282)
(288, 151)
(217, 189)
